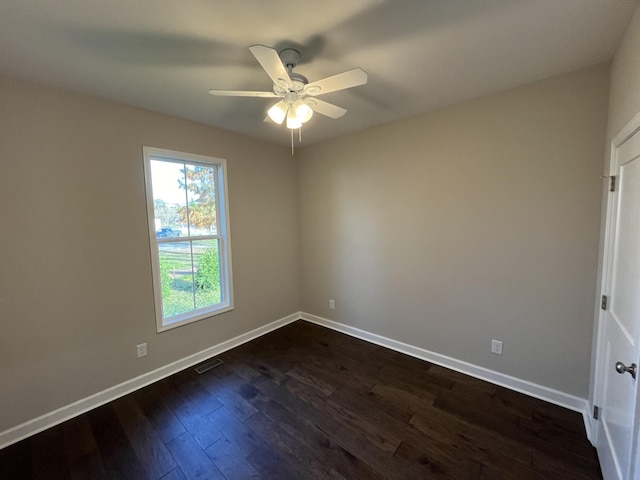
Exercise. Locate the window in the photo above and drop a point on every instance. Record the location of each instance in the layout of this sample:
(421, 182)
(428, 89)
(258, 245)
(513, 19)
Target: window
(187, 209)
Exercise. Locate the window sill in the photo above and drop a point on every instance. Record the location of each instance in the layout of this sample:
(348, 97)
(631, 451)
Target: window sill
(178, 321)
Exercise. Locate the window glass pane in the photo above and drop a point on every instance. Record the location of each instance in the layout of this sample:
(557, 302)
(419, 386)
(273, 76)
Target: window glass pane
(191, 270)
(201, 197)
(169, 199)
(206, 259)
(176, 278)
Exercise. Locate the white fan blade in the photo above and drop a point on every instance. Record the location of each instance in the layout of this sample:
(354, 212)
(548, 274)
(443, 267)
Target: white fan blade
(348, 79)
(270, 61)
(325, 108)
(242, 93)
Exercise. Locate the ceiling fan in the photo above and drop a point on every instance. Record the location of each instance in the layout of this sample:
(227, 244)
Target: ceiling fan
(297, 95)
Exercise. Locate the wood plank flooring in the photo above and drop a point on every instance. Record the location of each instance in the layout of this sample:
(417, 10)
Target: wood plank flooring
(305, 402)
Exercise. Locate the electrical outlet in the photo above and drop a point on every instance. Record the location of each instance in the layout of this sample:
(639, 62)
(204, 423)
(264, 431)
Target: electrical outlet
(332, 304)
(496, 347)
(142, 350)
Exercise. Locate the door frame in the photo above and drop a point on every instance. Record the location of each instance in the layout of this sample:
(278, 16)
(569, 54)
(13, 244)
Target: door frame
(604, 262)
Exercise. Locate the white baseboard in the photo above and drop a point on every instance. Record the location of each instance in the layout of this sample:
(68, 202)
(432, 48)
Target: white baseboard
(590, 424)
(62, 414)
(523, 386)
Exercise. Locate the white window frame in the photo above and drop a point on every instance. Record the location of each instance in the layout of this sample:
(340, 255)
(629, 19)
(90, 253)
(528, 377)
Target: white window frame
(222, 235)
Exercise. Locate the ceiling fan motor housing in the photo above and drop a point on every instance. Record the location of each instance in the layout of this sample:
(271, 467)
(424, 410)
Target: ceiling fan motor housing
(298, 81)
(290, 59)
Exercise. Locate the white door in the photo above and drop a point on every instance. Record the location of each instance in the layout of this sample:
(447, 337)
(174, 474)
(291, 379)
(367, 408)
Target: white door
(619, 329)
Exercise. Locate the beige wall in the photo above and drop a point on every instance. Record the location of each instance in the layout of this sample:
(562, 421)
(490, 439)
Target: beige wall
(624, 101)
(474, 222)
(75, 274)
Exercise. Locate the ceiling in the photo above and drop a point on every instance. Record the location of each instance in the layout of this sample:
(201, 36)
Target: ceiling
(165, 55)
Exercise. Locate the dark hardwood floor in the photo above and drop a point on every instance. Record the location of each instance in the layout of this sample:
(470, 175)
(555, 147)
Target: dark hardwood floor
(305, 402)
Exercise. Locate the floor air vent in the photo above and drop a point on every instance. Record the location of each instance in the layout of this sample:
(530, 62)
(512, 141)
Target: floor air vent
(208, 365)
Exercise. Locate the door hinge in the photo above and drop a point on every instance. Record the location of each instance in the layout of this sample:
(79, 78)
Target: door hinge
(612, 183)
(604, 302)
(596, 412)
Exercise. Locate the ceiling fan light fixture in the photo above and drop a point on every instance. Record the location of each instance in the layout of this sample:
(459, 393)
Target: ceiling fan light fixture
(278, 112)
(293, 121)
(303, 111)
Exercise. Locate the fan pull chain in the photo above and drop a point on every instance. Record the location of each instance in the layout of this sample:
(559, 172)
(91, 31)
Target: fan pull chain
(300, 134)
(291, 130)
